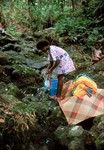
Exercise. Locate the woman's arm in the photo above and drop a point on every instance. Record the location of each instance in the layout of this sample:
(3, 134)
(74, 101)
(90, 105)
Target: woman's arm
(54, 65)
(50, 65)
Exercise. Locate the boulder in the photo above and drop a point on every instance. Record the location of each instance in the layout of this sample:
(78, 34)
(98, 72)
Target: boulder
(3, 58)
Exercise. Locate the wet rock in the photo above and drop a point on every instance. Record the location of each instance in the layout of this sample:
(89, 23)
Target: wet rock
(100, 141)
(29, 38)
(4, 40)
(37, 65)
(13, 47)
(74, 137)
(61, 135)
(8, 70)
(76, 131)
(15, 75)
(38, 52)
(3, 58)
(31, 90)
(98, 131)
(24, 35)
(38, 34)
(25, 76)
(80, 138)
(76, 145)
(49, 34)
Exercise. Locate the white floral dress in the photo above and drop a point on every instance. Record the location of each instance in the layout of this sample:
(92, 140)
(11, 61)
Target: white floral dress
(66, 64)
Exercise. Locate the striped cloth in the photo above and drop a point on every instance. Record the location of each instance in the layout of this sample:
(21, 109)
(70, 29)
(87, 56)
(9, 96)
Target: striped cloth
(79, 109)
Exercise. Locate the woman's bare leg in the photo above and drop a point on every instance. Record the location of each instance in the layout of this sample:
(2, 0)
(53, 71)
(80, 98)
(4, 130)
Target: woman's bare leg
(60, 84)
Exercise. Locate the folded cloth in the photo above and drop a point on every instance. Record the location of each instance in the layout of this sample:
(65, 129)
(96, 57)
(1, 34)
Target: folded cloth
(89, 92)
(81, 86)
(77, 109)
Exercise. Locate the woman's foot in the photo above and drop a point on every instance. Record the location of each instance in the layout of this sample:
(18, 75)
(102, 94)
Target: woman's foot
(52, 97)
(58, 98)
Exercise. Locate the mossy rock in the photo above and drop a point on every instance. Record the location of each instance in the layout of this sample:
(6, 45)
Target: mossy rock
(100, 142)
(99, 66)
(48, 34)
(3, 58)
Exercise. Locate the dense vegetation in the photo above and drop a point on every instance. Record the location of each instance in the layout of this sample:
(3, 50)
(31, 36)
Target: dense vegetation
(68, 17)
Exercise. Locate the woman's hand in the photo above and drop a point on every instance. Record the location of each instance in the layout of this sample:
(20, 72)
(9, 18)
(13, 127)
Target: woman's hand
(49, 71)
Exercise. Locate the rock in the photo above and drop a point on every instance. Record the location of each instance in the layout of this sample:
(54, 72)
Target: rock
(36, 65)
(76, 131)
(49, 34)
(31, 90)
(100, 141)
(61, 135)
(76, 145)
(8, 70)
(29, 38)
(99, 66)
(13, 47)
(3, 58)
(4, 40)
(15, 74)
(38, 34)
(74, 137)
(97, 131)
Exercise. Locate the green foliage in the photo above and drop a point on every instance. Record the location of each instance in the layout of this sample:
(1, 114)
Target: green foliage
(70, 24)
(31, 107)
(13, 31)
(95, 35)
(23, 69)
(38, 16)
(22, 108)
(44, 15)
(16, 16)
(96, 8)
(22, 16)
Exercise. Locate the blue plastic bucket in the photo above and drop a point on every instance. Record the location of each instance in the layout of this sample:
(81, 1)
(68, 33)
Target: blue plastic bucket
(53, 87)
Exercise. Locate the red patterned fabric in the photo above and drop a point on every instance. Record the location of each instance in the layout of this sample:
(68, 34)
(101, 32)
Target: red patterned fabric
(79, 109)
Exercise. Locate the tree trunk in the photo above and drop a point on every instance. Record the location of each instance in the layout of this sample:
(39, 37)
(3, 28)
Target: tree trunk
(73, 4)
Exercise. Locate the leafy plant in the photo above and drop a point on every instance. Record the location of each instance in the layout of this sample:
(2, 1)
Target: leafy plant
(70, 24)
